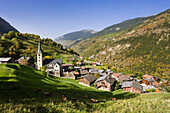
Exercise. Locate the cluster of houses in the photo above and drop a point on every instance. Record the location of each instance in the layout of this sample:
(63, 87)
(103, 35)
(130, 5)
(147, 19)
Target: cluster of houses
(107, 80)
(103, 79)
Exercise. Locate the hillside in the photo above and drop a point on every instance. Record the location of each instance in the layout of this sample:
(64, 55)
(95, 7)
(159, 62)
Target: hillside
(5, 27)
(73, 38)
(18, 44)
(22, 90)
(140, 47)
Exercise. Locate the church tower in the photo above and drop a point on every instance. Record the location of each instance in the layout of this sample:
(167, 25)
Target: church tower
(39, 58)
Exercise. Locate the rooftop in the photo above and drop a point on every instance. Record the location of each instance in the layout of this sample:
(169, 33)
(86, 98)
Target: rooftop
(5, 59)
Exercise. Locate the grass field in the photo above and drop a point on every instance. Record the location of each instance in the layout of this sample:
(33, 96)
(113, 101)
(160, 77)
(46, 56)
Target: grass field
(22, 90)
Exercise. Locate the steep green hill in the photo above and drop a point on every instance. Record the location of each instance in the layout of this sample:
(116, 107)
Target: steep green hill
(18, 44)
(140, 47)
(22, 89)
(5, 27)
(73, 38)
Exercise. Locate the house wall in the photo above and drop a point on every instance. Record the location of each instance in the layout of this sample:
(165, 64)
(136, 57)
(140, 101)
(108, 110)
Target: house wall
(57, 69)
(132, 89)
(84, 81)
(103, 85)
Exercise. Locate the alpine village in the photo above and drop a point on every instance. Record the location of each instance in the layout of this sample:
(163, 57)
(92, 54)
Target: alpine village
(122, 68)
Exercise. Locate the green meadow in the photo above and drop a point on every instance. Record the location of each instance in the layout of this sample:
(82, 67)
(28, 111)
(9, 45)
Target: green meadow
(22, 89)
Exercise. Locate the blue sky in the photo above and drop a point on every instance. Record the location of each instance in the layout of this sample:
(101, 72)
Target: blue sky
(53, 18)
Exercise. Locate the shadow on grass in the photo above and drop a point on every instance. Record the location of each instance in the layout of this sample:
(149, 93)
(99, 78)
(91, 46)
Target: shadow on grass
(31, 87)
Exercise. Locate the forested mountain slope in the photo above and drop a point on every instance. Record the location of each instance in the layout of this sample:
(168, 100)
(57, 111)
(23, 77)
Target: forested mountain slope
(18, 44)
(142, 47)
(5, 27)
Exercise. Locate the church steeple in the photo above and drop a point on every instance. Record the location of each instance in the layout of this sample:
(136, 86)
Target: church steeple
(39, 57)
(39, 48)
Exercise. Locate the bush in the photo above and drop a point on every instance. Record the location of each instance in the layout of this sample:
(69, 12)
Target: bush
(150, 90)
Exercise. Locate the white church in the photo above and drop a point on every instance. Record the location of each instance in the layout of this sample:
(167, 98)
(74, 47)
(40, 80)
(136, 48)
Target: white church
(53, 66)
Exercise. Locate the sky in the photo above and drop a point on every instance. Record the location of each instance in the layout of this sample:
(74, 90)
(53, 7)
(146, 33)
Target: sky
(54, 18)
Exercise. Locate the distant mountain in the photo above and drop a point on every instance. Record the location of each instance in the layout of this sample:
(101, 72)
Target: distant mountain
(5, 27)
(140, 44)
(73, 38)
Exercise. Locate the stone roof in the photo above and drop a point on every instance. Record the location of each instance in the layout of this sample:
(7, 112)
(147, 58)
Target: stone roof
(150, 80)
(107, 78)
(52, 61)
(67, 65)
(116, 74)
(90, 78)
(132, 84)
(156, 83)
(124, 78)
(93, 70)
(27, 58)
(148, 76)
(84, 72)
(5, 59)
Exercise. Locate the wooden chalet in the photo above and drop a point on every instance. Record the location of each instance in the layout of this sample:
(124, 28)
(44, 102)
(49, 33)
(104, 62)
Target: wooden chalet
(26, 60)
(87, 80)
(106, 83)
(54, 66)
(132, 86)
(148, 81)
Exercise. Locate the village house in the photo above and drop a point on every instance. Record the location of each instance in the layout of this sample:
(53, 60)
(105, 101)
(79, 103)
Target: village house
(87, 80)
(106, 83)
(147, 76)
(94, 63)
(101, 71)
(116, 75)
(76, 74)
(93, 71)
(83, 72)
(124, 78)
(80, 57)
(109, 72)
(88, 63)
(132, 86)
(71, 75)
(148, 81)
(70, 60)
(53, 66)
(78, 63)
(66, 67)
(29, 61)
(5, 60)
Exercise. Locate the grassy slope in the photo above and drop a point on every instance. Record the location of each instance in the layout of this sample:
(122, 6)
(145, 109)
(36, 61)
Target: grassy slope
(19, 84)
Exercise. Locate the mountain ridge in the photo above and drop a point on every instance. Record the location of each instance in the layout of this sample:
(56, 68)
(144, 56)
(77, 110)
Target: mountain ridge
(72, 38)
(115, 48)
(5, 27)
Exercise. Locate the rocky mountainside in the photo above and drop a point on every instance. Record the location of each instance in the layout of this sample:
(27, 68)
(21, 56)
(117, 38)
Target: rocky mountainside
(142, 46)
(73, 38)
(5, 27)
